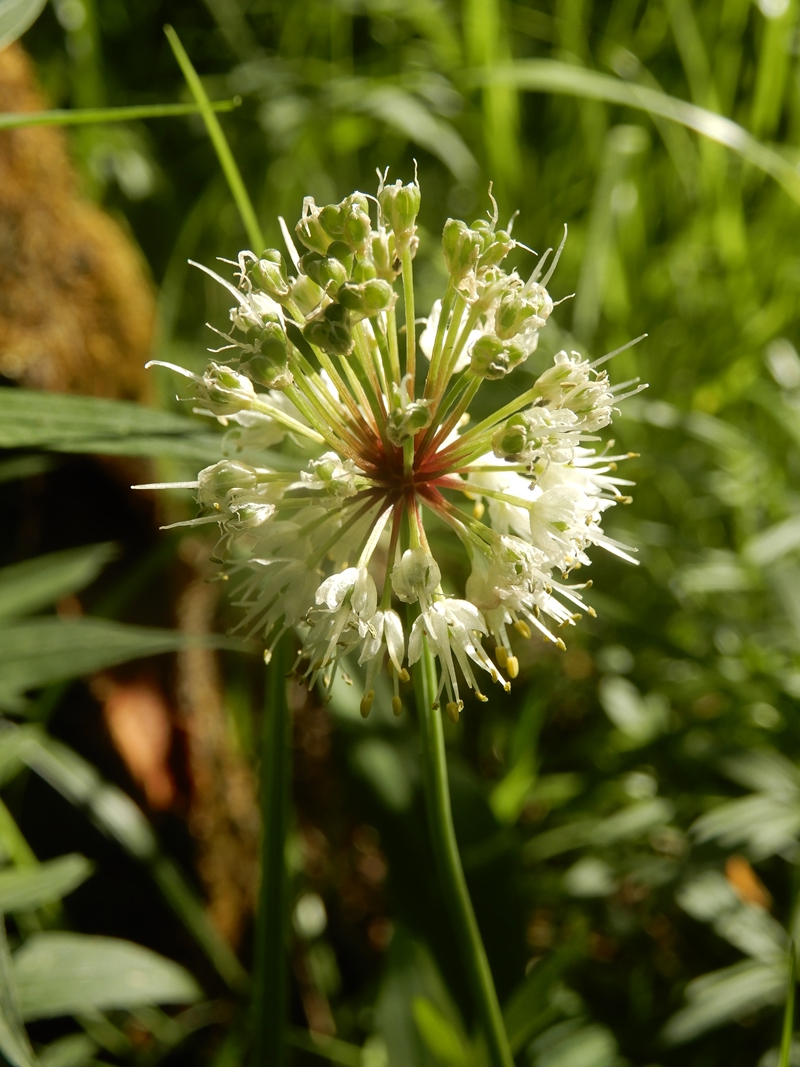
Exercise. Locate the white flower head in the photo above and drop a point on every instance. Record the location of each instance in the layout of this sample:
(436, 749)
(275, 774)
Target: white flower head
(329, 533)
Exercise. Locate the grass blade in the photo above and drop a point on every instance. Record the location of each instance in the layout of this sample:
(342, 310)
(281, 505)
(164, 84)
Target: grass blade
(89, 116)
(553, 76)
(221, 147)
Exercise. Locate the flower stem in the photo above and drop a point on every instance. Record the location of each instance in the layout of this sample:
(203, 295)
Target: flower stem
(270, 994)
(451, 873)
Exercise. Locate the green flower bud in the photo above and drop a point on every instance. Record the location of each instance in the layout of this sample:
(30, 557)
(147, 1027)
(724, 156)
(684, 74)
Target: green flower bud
(330, 331)
(492, 358)
(310, 229)
(462, 247)
(400, 207)
(216, 482)
(496, 246)
(406, 421)
(268, 371)
(357, 227)
(364, 271)
(328, 272)
(512, 437)
(269, 274)
(367, 299)
(342, 251)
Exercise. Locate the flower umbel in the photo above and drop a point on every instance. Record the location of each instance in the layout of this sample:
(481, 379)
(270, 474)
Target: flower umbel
(370, 460)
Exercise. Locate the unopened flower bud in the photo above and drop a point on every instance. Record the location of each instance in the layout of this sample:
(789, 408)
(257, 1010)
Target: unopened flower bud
(406, 421)
(367, 299)
(462, 248)
(417, 574)
(215, 482)
(330, 331)
(357, 227)
(269, 274)
(400, 207)
(497, 243)
(512, 437)
(328, 272)
(364, 271)
(492, 358)
(310, 229)
(225, 391)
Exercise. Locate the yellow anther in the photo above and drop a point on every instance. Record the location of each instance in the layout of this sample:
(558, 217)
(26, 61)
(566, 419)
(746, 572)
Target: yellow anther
(482, 697)
(501, 656)
(561, 645)
(267, 655)
(397, 705)
(512, 666)
(591, 612)
(366, 703)
(523, 629)
(478, 510)
(452, 710)
(404, 676)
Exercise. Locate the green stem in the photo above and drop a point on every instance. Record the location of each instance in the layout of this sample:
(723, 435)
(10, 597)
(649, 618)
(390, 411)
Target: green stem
(451, 873)
(411, 326)
(270, 992)
(221, 147)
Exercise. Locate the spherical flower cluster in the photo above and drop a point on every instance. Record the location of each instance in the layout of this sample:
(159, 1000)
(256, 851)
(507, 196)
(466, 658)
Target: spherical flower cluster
(343, 453)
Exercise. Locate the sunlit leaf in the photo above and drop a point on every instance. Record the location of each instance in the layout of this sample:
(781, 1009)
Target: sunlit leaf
(74, 1050)
(66, 974)
(438, 1033)
(725, 995)
(14, 1043)
(574, 1043)
(16, 16)
(26, 587)
(36, 652)
(31, 887)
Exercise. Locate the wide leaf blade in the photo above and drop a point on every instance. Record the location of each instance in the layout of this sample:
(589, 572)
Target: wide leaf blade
(26, 587)
(24, 889)
(67, 974)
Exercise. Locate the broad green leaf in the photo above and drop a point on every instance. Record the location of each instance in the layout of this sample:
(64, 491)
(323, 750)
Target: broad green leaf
(16, 16)
(640, 719)
(14, 1044)
(553, 76)
(410, 975)
(36, 583)
(68, 974)
(36, 652)
(719, 997)
(116, 815)
(438, 1033)
(74, 1050)
(32, 887)
(531, 1006)
(574, 1044)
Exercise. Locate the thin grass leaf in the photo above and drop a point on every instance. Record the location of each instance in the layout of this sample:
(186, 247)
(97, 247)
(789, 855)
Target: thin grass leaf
(67, 974)
(26, 587)
(16, 16)
(327, 1048)
(91, 116)
(553, 76)
(14, 1043)
(221, 147)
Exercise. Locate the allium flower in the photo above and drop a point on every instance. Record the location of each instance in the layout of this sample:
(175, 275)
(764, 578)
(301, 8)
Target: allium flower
(331, 534)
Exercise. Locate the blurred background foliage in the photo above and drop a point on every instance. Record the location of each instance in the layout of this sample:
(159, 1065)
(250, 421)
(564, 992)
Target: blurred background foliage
(630, 815)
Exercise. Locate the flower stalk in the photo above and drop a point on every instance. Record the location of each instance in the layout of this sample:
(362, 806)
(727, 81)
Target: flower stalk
(448, 861)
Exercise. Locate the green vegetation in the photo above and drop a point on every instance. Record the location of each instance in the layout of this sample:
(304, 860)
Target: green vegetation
(629, 815)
